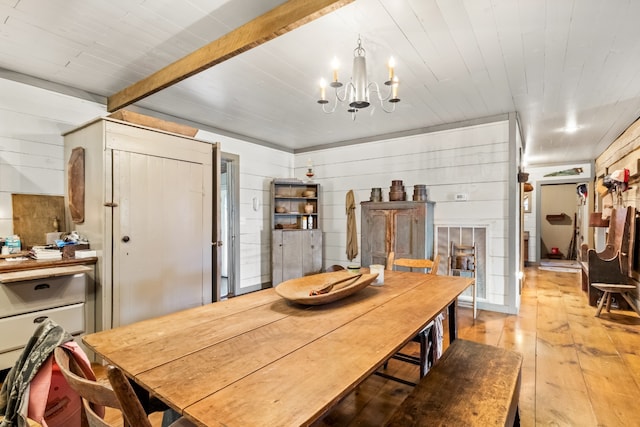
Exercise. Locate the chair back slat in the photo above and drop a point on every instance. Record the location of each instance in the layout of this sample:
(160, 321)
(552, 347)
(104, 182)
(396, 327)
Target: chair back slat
(95, 392)
(425, 264)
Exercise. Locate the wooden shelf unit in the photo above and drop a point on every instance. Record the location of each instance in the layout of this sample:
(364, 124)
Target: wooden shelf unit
(290, 196)
(296, 248)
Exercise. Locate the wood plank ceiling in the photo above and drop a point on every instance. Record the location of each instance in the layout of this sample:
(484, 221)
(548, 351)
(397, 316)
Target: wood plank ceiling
(554, 62)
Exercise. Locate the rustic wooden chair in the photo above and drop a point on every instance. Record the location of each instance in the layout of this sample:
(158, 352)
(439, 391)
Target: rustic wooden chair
(613, 266)
(97, 395)
(427, 265)
(426, 350)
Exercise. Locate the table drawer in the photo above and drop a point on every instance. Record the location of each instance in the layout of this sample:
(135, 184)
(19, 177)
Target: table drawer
(17, 330)
(32, 295)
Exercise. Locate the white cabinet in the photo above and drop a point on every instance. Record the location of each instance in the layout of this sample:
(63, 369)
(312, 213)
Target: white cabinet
(25, 303)
(148, 213)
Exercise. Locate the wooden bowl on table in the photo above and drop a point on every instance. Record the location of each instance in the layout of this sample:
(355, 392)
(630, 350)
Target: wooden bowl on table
(298, 290)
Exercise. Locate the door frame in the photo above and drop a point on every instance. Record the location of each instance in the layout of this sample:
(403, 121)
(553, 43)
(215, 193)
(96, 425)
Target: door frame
(233, 246)
(538, 208)
(216, 258)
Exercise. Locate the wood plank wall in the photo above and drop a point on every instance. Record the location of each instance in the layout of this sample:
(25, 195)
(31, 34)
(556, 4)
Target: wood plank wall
(624, 152)
(470, 160)
(32, 121)
(258, 166)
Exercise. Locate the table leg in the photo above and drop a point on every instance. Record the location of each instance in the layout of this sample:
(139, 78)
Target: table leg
(149, 403)
(453, 325)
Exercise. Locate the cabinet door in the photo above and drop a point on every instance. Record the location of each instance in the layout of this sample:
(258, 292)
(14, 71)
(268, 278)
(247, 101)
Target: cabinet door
(311, 252)
(408, 234)
(375, 242)
(159, 262)
(286, 256)
(276, 257)
(292, 254)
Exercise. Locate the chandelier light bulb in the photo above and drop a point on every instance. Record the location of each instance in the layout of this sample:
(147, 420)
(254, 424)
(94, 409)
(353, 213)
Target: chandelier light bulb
(335, 65)
(391, 65)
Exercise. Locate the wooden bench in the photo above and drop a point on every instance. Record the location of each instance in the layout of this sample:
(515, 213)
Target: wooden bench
(611, 288)
(471, 385)
(615, 263)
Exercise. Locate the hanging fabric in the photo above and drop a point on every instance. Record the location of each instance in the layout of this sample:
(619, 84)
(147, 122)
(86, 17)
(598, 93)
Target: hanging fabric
(352, 233)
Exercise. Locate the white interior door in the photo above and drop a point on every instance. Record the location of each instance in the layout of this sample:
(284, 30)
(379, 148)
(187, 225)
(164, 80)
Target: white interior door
(158, 260)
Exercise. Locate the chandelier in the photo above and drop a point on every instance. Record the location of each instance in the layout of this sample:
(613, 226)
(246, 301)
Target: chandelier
(357, 92)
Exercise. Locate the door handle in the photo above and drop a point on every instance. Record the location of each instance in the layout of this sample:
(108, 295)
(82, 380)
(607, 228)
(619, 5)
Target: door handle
(217, 243)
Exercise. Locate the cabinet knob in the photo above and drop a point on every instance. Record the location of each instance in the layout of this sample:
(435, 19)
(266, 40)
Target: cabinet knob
(41, 286)
(126, 239)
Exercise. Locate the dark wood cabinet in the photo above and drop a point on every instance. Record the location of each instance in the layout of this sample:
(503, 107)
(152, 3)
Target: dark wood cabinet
(405, 228)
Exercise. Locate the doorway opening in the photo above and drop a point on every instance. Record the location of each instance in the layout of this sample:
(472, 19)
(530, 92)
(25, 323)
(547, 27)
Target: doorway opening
(229, 224)
(562, 229)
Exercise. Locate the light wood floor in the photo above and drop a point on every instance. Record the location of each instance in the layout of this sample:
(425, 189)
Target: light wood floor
(578, 370)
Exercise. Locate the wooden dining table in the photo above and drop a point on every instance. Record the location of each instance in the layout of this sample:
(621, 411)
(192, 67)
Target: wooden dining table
(259, 359)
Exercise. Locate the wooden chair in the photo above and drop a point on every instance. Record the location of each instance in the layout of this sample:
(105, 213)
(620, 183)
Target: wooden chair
(97, 395)
(424, 337)
(430, 266)
(612, 266)
(609, 289)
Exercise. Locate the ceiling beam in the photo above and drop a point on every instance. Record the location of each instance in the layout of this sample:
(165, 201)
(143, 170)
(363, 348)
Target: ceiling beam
(279, 20)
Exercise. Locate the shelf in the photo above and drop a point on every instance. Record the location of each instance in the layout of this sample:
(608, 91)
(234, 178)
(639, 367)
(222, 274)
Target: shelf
(559, 217)
(295, 198)
(559, 255)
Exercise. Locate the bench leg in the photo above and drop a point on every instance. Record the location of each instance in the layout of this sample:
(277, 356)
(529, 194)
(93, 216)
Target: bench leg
(609, 302)
(453, 325)
(601, 304)
(629, 300)
(424, 349)
(475, 306)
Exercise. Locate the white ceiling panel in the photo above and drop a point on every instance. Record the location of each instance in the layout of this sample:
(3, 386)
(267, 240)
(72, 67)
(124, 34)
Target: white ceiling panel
(551, 61)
